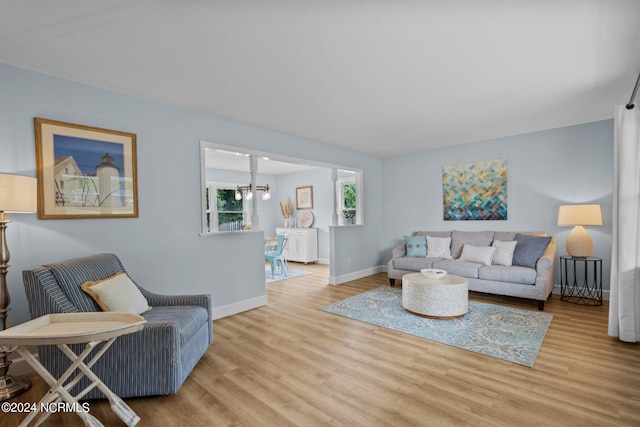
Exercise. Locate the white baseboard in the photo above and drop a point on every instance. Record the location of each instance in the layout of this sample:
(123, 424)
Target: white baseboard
(238, 307)
(337, 280)
(324, 261)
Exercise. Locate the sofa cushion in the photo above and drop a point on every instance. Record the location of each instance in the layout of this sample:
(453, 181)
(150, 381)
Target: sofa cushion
(413, 264)
(513, 274)
(416, 246)
(475, 238)
(187, 320)
(529, 249)
(432, 233)
(438, 247)
(504, 252)
(479, 254)
(505, 236)
(459, 268)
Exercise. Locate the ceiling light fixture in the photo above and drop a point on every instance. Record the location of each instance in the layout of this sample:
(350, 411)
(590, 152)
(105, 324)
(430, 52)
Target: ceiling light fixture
(266, 195)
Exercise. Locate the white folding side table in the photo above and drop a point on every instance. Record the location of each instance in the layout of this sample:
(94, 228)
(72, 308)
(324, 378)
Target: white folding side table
(98, 330)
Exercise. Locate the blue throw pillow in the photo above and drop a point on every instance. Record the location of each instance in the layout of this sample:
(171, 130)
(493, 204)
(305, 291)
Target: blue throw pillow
(529, 249)
(416, 246)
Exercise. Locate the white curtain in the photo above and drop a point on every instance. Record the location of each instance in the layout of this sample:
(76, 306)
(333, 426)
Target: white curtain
(624, 298)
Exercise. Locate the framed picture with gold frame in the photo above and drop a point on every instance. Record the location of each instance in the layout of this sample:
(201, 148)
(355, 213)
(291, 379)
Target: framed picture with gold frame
(304, 197)
(85, 171)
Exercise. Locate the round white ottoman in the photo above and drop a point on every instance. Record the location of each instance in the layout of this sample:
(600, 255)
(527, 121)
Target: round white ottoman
(443, 298)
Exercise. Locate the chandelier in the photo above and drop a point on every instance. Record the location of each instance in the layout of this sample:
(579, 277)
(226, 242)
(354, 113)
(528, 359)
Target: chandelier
(266, 195)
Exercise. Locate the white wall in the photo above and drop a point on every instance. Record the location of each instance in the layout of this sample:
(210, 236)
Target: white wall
(570, 165)
(162, 249)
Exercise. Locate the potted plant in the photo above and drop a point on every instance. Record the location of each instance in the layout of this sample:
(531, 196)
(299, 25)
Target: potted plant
(349, 216)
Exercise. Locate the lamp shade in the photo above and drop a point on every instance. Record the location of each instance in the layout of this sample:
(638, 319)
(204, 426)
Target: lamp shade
(18, 194)
(579, 215)
(579, 243)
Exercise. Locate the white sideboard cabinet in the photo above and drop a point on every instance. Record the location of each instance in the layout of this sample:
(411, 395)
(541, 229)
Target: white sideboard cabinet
(302, 244)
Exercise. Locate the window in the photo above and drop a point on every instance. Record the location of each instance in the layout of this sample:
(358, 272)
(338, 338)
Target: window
(227, 213)
(347, 200)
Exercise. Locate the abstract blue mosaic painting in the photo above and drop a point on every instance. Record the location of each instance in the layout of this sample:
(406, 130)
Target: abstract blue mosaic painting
(475, 190)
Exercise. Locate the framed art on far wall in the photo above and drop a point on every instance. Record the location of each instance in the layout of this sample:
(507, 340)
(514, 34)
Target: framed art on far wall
(475, 190)
(304, 197)
(84, 171)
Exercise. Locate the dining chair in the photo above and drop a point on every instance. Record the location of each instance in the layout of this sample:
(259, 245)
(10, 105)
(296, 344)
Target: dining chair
(275, 257)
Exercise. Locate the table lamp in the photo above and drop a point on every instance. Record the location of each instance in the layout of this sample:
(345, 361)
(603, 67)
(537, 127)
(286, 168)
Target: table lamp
(17, 195)
(579, 243)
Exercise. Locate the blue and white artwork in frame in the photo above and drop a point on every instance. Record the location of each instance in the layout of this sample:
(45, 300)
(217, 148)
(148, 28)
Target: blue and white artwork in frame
(85, 171)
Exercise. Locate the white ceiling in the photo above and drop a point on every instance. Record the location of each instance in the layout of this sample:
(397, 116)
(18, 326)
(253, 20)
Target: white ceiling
(378, 76)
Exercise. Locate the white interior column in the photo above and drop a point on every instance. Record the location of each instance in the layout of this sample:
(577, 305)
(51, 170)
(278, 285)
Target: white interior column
(253, 168)
(334, 179)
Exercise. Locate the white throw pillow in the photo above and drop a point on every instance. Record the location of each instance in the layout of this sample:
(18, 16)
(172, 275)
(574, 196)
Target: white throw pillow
(504, 252)
(479, 254)
(117, 293)
(438, 247)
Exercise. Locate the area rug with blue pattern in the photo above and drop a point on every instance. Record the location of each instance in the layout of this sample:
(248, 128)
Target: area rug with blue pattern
(506, 333)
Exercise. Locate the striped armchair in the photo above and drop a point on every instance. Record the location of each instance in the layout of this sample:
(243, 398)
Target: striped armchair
(153, 361)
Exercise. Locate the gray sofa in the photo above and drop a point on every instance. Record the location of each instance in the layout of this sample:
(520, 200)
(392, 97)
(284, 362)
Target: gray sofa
(515, 280)
(153, 361)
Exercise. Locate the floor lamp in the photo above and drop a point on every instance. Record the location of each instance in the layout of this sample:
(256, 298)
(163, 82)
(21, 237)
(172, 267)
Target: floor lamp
(17, 195)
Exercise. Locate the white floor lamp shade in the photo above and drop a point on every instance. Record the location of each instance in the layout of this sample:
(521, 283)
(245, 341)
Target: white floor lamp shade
(579, 243)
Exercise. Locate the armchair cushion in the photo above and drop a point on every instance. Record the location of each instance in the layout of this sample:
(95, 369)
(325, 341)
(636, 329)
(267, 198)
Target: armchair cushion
(71, 274)
(117, 293)
(186, 320)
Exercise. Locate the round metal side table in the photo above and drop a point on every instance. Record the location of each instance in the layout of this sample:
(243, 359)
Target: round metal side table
(581, 280)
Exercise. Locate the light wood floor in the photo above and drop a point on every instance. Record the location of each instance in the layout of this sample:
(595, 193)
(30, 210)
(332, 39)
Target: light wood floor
(290, 364)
